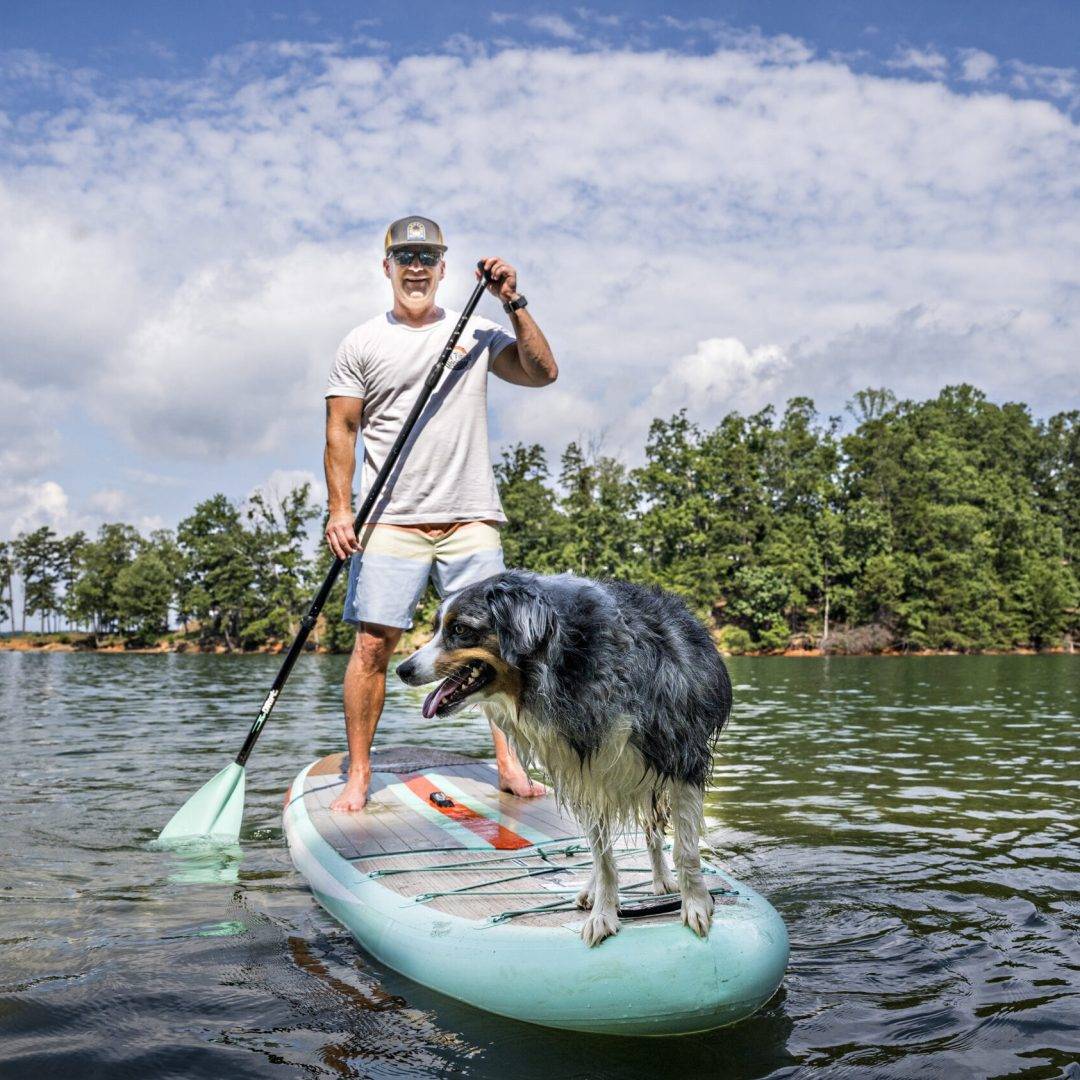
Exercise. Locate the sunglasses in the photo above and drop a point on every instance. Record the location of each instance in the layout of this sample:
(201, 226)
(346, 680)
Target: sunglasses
(406, 256)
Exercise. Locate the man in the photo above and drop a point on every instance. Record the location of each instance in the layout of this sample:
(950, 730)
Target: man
(440, 511)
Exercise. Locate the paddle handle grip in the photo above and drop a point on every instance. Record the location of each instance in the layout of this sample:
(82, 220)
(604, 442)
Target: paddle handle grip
(307, 623)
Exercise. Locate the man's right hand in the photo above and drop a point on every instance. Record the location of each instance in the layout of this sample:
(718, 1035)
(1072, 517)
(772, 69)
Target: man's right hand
(340, 534)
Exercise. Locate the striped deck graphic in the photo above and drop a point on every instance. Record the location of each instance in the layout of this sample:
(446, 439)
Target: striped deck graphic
(400, 817)
(498, 836)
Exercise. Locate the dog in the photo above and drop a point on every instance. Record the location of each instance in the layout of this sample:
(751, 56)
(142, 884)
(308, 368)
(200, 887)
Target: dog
(615, 689)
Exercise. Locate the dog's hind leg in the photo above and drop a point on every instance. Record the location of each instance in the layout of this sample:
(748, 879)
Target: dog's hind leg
(697, 903)
(662, 880)
(604, 920)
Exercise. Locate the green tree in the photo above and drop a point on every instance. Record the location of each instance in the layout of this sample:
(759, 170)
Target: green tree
(277, 533)
(143, 593)
(703, 505)
(598, 529)
(533, 534)
(1058, 487)
(98, 564)
(1049, 598)
(36, 555)
(803, 543)
(219, 569)
(68, 561)
(7, 575)
(942, 516)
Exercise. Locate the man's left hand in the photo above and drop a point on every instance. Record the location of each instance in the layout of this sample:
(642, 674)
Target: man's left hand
(503, 276)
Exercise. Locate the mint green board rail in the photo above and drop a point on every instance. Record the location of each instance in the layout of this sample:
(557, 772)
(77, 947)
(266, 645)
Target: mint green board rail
(427, 893)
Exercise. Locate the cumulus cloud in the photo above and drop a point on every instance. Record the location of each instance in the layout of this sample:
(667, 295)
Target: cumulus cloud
(555, 25)
(977, 65)
(730, 227)
(238, 357)
(1054, 82)
(25, 507)
(928, 61)
(720, 376)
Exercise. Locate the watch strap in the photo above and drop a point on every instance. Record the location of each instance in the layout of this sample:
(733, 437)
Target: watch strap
(515, 305)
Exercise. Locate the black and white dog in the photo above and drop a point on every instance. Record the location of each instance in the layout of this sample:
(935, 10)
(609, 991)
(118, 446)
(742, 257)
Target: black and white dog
(616, 690)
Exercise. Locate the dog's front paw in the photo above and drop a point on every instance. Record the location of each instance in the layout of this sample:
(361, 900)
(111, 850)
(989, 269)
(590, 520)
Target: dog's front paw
(599, 925)
(697, 909)
(584, 899)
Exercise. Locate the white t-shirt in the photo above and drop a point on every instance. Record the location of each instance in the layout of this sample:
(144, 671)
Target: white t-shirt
(444, 472)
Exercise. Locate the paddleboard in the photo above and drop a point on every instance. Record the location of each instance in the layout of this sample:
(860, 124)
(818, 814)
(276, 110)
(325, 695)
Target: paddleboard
(470, 891)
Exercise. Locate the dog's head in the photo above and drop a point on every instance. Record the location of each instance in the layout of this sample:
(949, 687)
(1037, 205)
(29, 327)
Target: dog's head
(486, 637)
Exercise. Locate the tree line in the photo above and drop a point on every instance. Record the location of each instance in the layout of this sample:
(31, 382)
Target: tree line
(951, 523)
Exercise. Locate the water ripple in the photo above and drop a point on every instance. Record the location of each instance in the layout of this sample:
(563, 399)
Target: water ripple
(914, 820)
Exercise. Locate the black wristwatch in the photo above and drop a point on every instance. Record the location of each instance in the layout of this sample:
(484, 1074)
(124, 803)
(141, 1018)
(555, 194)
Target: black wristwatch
(515, 305)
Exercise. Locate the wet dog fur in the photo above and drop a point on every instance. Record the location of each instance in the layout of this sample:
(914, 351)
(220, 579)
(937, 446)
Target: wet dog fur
(615, 690)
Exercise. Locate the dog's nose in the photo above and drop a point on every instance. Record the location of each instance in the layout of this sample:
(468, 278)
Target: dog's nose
(405, 671)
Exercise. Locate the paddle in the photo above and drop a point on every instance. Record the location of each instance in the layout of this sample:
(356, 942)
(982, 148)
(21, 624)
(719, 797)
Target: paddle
(217, 808)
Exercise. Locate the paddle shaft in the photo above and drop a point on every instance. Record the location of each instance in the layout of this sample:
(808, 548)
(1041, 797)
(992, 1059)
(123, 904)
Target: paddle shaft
(307, 623)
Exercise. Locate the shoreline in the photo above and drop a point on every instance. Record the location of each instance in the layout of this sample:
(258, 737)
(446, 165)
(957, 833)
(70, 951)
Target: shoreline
(50, 643)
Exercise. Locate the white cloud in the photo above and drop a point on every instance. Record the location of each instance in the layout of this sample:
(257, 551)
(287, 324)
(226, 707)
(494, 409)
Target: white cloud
(720, 376)
(110, 503)
(25, 507)
(1054, 82)
(29, 439)
(929, 61)
(238, 357)
(976, 65)
(555, 25)
(282, 482)
(184, 257)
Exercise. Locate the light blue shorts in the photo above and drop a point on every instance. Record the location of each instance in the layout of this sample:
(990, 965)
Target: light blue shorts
(388, 575)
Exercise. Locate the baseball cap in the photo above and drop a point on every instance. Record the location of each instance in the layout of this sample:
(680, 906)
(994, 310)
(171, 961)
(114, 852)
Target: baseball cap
(414, 232)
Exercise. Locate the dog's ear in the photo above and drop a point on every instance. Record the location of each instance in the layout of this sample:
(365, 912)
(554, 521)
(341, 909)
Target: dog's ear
(524, 619)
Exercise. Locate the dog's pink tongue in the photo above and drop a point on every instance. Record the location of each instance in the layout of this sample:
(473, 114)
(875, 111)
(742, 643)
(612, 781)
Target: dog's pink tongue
(432, 701)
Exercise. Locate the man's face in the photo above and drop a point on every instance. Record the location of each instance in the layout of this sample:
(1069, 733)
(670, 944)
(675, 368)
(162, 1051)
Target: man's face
(414, 282)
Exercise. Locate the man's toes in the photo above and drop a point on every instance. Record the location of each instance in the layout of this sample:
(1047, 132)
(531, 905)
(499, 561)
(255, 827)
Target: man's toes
(697, 913)
(599, 925)
(348, 804)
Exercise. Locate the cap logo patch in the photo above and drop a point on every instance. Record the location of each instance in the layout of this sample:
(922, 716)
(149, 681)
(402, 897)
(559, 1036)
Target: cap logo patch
(415, 231)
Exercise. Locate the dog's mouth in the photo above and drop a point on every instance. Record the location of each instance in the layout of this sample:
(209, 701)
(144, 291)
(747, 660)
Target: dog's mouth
(456, 687)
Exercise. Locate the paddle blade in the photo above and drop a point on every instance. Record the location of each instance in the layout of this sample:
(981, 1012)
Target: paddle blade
(214, 811)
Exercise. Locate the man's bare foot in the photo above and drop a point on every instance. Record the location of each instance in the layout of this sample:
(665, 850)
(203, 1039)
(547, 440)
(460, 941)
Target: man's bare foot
(353, 799)
(514, 780)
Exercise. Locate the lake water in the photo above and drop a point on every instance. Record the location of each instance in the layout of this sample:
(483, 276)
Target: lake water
(915, 822)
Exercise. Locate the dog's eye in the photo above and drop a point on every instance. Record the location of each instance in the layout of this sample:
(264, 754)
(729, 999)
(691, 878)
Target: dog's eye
(458, 631)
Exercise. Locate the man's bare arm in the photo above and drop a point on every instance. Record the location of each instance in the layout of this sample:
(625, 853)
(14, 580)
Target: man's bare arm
(339, 461)
(529, 361)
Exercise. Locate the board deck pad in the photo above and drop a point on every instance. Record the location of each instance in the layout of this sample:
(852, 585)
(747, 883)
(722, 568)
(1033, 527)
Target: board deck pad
(487, 836)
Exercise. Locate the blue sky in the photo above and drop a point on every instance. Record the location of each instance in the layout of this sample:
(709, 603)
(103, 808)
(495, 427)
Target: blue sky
(154, 37)
(712, 207)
